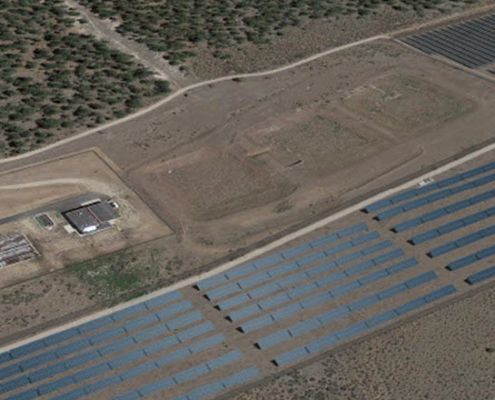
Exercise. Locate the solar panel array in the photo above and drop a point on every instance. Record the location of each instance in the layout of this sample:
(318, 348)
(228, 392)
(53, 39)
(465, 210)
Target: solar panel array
(471, 44)
(246, 322)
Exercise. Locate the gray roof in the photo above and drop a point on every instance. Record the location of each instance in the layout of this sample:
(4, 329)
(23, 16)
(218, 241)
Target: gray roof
(81, 219)
(103, 211)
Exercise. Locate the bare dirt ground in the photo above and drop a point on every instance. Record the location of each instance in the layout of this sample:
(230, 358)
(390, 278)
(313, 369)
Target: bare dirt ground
(446, 355)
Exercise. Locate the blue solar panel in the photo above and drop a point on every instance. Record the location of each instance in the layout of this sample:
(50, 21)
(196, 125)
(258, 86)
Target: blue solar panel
(267, 261)
(205, 391)
(363, 303)
(391, 291)
(134, 395)
(196, 331)
(358, 268)
(191, 373)
(161, 344)
(285, 312)
(273, 340)
(102, 384)
(172, 357)
(296, 250)
(377, 247)
(94, 325)
(271, 302)
(14, 384)
(440, 293)
(91, 372)
(263, 290)
(80, 359)
(481, 276)
(351, 331)
(46, 372)
(257, 323)
(245, 312)
(223, 291)
(163, 299)
(291, 356)
(438, 251)
(73, 347)
(74, 394)
(27, 349)
(332, 315)
(369, 237)
(391, 255)
(233, 302)
(304, 327)
(8, 371)
(339, 248)
(311, 258)
(410, 306)
(140, 322)
(381, 318)
(54, 385)
(472, 258)
(315, 300)
(239, 271)
(129, 312)
(373, 277)
(38, 360)
(185, 320)
(322, 343)
(127, 358)
(345, 288)
(106, 335)
(174, 309)
(226, 359)
(401, 266)
(351, 230)
(332, 278)
(324, 240)
(115, 346)
(26, 395)
(253, 280)
(419, 280)
(148, 390)
(211, 282)
(299, 291)
(138, 370)
(241, 377)
(282, 269)
(60, 337)
(207, 343)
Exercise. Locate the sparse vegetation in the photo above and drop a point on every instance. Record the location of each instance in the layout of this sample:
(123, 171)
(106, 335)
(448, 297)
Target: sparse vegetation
(178, 27)
(120, 275)
(54, 80)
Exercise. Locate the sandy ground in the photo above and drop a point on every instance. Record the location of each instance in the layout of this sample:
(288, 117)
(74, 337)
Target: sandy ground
(446, 355)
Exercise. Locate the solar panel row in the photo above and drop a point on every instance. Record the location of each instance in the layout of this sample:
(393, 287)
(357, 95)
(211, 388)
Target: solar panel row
(119, 345)
(192, 373)
(321, 298)
(138, 370)
(88, 327)
(410, 194)
(245, 269)
(262, 277)
(452, 226)
(434, 197)
(312, 286)
(442, 212)
(113, 333)
(334, 338)
(345, 310)
(481, 276)
(461, 242)
(471, 259)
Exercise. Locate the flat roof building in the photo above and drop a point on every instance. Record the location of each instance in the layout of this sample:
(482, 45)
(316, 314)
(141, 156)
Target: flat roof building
(90, 218)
